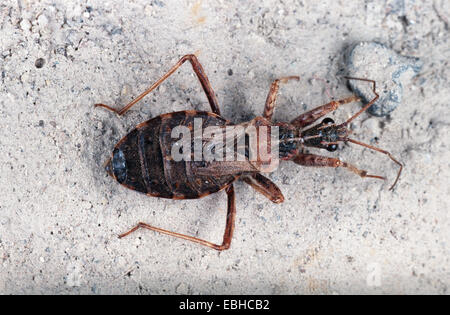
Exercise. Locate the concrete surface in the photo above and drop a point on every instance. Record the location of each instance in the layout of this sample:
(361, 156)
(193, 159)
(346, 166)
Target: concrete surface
(60, 213)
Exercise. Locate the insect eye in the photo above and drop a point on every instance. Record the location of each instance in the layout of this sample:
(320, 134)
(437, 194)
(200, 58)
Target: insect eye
(328, 121)
(332, 147)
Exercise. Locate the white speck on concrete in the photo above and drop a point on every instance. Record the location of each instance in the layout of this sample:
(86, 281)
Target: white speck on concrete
(25, 25)
(42, 21)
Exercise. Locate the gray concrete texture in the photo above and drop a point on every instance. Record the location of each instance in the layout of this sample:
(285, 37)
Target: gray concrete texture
(335, 233)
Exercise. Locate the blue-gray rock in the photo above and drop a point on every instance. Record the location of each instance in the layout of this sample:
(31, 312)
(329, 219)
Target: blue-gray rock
(390, 70)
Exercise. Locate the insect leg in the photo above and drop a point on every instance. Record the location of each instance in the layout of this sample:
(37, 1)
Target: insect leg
(384, 152)
(374, 90)
(324, 161)
(229, 228)
(198, 69)
(265, 186)
(272, 96)
(314, 114)
(311, 116)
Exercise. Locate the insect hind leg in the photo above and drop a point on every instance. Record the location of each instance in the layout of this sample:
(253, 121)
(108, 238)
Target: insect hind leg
(198, 69)
(228, 234)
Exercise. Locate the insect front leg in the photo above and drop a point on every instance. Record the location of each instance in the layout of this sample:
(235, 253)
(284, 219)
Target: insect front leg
(272, 96)
(311, 116)
(324, 161)
(264, 186)
(198, 69)
(229, 228)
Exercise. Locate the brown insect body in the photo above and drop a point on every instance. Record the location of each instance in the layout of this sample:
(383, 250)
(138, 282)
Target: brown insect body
(143, 160)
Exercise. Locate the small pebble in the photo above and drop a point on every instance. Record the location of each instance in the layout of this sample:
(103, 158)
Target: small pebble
(125, 90)
(42, 20)
(24, 77)
(148, 10)
(39, 63)
(25, 25)
(375, 61)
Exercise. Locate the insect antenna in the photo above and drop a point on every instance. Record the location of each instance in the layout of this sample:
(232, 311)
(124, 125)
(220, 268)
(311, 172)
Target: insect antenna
(381, 151)
(368, 104)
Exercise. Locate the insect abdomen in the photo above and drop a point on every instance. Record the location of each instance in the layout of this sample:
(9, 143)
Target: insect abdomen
(149, 167)
(143, 159)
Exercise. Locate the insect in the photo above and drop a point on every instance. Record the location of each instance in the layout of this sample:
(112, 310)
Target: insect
(142, 160)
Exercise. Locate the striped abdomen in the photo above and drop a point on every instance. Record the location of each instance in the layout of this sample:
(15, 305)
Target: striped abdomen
(142, 159)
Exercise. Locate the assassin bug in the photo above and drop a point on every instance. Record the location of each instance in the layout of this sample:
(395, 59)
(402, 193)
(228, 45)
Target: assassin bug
(142, 159)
